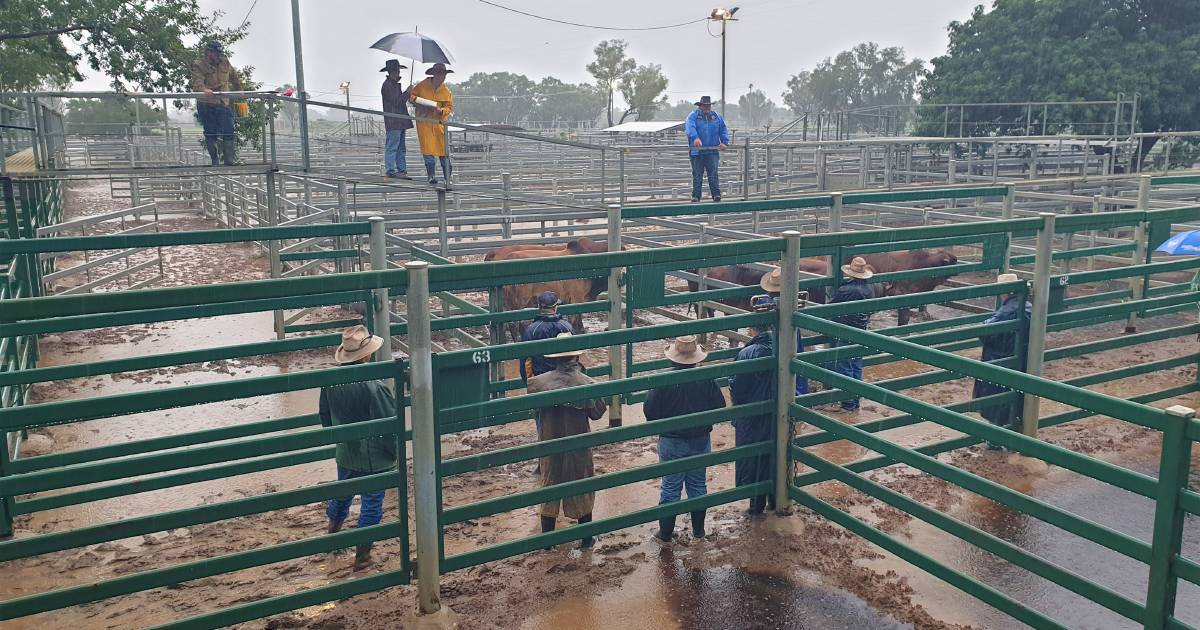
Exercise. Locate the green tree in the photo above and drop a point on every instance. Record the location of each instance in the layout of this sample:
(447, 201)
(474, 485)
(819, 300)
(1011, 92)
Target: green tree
(610, 68)
(864, 76)
(643, 90)
(106, 116)
(495, 97)
(137, 45)
(1066, 50)
(678, 111)
(756, 108)
(558, 101)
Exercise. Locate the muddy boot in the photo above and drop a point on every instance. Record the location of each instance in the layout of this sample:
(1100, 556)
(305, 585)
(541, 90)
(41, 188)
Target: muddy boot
(229, 151)
(213, 154)
(334, 527)
(698, 524)
(548, 526)
(756, 505)
(666, 528)
(586, 543)
(771, 502)
(362, 557)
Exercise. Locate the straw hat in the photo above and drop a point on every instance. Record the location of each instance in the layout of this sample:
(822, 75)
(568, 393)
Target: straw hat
(568, 353)
(1006, 277)
(357, 342)
(772, 281)
(858, 268)
(685, 350)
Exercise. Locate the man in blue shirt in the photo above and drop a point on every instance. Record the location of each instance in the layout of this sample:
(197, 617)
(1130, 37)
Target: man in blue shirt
(707, 136)
(1002, 346)
(854, 288)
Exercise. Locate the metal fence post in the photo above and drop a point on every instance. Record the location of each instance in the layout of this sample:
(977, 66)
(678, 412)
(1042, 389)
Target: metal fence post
(6, 502)
(1037, 321)
(820, 160)
(381, 318)
(443, 224)
(621, 177)
(273, 246)
(615, 319)
(864, 163)
(506, 208)
(1141, 235)
(1006, 214)
(785, 351)
(343, 242)
(425, 481)
(1173, 468)
(835, 212)
(746, 169)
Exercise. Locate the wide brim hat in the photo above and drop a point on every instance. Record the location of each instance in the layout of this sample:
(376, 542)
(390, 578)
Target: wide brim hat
(567, 353)
(1006, 277)
(438, 67)
(858, 268)
(772, 281)
(357, 342)
(686, 350)
(704, 100)
(390, 63)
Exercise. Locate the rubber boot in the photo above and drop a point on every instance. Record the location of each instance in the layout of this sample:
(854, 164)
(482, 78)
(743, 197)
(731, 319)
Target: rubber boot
(547, 526)
(229, 151)
(756, 505)
(666, 528)
(334, 527)
(362, 556)
(586, 543)
(698, 524)
(213, 154)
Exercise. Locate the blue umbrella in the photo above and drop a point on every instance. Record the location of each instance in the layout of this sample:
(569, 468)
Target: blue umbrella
(1182, 244)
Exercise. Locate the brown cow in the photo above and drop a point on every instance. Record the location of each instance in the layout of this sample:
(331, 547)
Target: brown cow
(748, 276)
(578, 246)
(573, 291)
(887, 262)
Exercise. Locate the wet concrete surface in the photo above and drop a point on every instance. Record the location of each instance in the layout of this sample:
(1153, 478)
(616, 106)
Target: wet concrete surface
(667, 595)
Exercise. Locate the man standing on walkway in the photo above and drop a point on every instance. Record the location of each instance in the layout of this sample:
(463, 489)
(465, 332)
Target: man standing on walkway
(679, 400)
(707, 136)
(749, 388)
(395, 101)
(853, 288)
(359, 402)
(563, 420)
(1002, 346)
(434, 104)
(211, 73)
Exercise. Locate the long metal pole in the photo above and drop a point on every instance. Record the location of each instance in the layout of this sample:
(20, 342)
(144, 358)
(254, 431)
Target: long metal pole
(1006, 213)
(273, 246)
(381, 319)
(1140, 237)
(723, 23)
(785, 350)
(1037, 321)
(299, 50)
(615, 316)
(425, 482)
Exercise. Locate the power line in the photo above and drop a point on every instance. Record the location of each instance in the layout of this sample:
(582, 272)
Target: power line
(252, 5)
(602, 28)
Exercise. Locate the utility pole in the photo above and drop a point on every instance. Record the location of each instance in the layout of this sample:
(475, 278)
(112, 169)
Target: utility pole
(300, 83)
(344, 86)
(723, 16)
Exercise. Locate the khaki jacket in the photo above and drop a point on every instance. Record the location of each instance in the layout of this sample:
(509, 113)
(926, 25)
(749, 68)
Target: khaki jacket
(219, 77)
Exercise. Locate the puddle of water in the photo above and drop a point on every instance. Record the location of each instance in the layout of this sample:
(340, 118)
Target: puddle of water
(663, 594)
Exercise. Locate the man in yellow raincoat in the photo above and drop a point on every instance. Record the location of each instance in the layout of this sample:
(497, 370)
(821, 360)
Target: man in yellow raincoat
(432, 135)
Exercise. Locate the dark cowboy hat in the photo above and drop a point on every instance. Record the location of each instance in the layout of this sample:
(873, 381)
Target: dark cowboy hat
(438, 68)
(704, 100)
(391, 63)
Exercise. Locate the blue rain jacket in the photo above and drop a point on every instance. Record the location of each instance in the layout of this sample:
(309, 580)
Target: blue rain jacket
(708, 127)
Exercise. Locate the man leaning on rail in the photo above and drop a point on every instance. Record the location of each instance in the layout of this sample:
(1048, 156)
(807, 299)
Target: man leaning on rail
(347, 403)
(707, 136)
(749, 388)
(211, 73)
(1002, 346)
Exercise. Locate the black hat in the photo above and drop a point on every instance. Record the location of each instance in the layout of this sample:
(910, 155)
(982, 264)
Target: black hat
(391, 63)
(704, 100)
(438, 67)
(548, 300)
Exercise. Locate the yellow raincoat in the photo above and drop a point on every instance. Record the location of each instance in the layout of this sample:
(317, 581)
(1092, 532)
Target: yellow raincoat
(431, 135)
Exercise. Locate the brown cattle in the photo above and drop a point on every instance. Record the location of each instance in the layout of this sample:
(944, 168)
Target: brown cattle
(578, 246)
(573, 291)
(749, 276)
(888, 262)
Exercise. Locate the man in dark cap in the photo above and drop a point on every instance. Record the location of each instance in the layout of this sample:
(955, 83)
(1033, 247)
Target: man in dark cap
(395, 101)
(707, 136)
(546, 325)
(212, 73)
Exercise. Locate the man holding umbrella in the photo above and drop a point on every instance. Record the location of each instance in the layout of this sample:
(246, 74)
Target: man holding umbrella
(434, 104)
(395, 101)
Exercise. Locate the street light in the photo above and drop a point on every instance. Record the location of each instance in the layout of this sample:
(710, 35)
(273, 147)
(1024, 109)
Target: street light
(344, 86)
(724, 16)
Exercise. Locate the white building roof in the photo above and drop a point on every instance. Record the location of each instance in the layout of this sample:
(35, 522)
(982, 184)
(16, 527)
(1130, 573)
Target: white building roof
(649, 126)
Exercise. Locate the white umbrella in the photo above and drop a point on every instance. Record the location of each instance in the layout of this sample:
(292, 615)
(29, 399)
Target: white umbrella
(415, 46)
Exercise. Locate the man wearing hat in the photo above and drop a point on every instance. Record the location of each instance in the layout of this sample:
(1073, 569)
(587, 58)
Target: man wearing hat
(211, 73)
(749, 388)
(395, 101)
(434, 104)
(563, 420)
(854, 287)
(679, 400)
(1002, 346)
(772, 283)
(547, 324)
(707, 136)
(361, 401)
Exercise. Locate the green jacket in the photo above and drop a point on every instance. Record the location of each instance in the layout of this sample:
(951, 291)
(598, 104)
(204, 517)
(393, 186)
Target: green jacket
(358, 402)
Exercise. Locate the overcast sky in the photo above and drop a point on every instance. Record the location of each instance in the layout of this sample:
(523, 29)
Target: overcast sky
(771, 40)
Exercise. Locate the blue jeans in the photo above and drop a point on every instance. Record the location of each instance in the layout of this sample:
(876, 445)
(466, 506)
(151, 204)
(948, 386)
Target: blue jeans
(674, 448)
(217, 121)
(431, 164)
(848, 367)
(393, 152)
(370, 511)
(706, 162)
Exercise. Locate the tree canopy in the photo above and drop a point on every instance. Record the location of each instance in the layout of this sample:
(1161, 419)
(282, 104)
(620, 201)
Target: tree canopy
(145, 45)
(864, 76)
(609, 68)
(643, 90)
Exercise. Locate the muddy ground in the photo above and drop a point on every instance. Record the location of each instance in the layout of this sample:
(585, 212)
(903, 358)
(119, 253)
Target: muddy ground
(777, 572)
